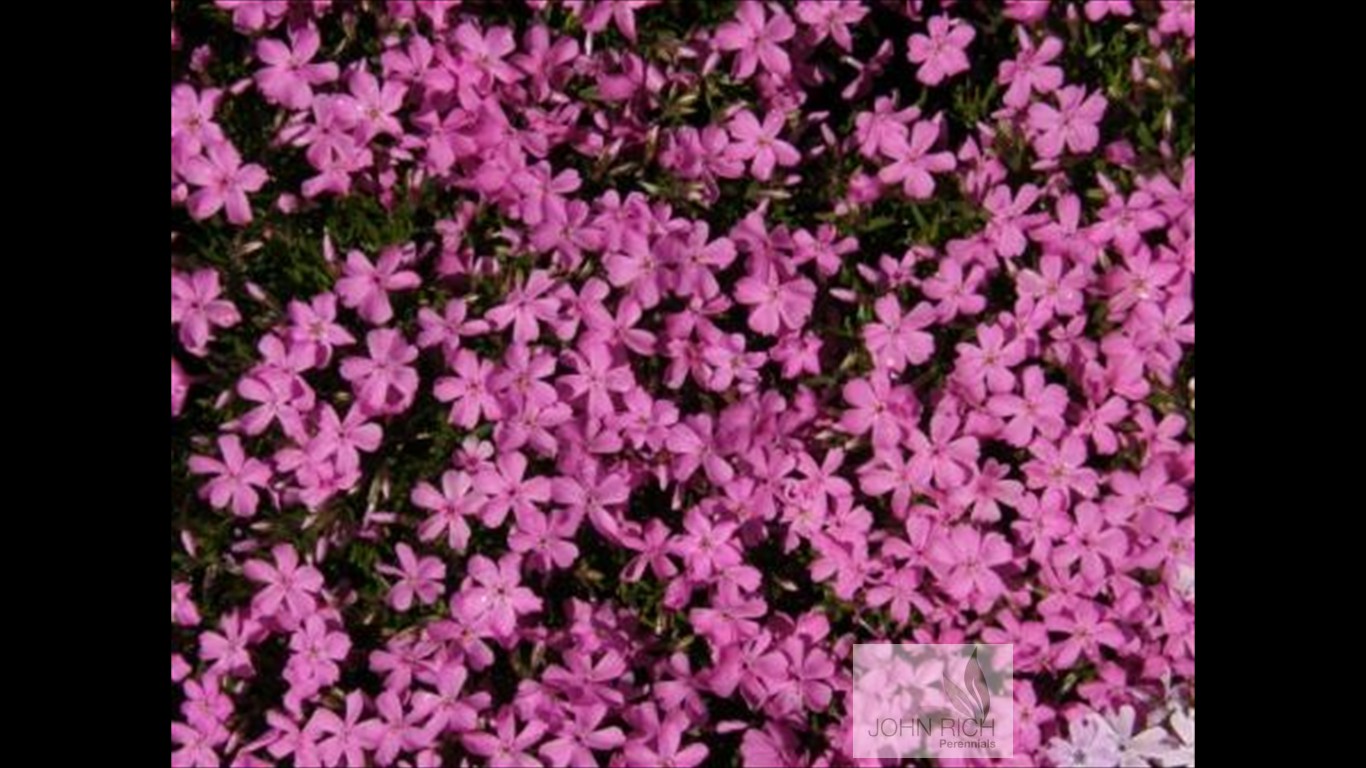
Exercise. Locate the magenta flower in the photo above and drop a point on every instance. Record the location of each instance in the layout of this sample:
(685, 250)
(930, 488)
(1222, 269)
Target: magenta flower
(1031, 70)
(757, 39)
(1040, 407)
(223, 183)
(913, 163)
(417, 579)
(508, 489)
(507, 746)
(344, 741)
(281, 397)
(180, 388)
(597, 379)
(384, 382)
(1092, 544)
(290, 73)
(494, 595)
(1086, 633)
(469, 391)
(777, 304)
(236, 478)
(941, 54)
(365, 287)
(1146, 497)
(964, 561)
(290, 590)
(759, 144)
(197, 308)
(318, 653)
(666, 747)
(449, 506)
(898, 339)
(1072, 124)
(314, 326)
(526, 307)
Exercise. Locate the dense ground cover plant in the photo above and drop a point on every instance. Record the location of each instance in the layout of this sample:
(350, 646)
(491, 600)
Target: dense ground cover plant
(574, 382)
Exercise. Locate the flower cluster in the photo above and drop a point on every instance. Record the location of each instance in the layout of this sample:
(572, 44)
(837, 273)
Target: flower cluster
(575, 382)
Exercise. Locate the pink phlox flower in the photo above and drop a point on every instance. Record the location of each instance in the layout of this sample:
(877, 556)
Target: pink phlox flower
(494, 593)
(943, 52)
(385, 382)
(223, 183)
(236, 477)
(290, 590)
(508, 489)
(897, 340)
(197, 308)
(759, 144)
(1030, 70)
(757, 38)
(1073, 124)
(913, 162)
(456, 500)
(418, 579)
(365, 287)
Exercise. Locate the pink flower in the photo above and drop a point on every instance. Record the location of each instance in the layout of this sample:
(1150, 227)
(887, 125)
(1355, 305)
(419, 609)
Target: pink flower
(180, 388)
(236, 479)
(384, 382)
(448, 328)
(831, 18)
(314, 325)
(290, 590)
(508, 489)
(913, 162)
(757, 39)
(469, 391)
(666, 747)
(289, 72)
(1099, 9)
(899, 339)
(1030, 70)
(874, 404)
(580, 739)
(526, 307)
(1146, 498)
(420, 579)
(1086, 633)
(990, 360)
(484, 53)
(223, 183)
(965, 561)
(1073, 124)
(344, 741)
(493, 593)
(597, 379)
(365, 287)
(622, 13)
(1040, 407)
(509, 747)
(450, 506)
(759, 143)
(318, 653)
(941, 54)
(282, 397)
(1091, 543)
(547, 541)
(944, 455)
(229, 649)
(777, 304)
(197, 309)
